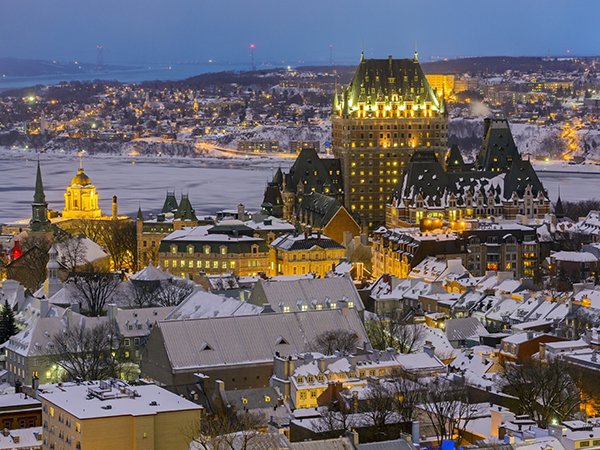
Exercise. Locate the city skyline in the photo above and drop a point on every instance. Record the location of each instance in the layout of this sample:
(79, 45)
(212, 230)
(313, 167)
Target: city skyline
(283, 32)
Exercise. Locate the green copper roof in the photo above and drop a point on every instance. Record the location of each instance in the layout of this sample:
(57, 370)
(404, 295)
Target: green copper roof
(39, 196)
(380, 80)
(185, 210)
(170, 204)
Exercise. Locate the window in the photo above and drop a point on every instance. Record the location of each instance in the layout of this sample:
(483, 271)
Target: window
(223, 250)
(206, 249)
(303, 395)
(190, 249)
(126, 342)
(173, 249)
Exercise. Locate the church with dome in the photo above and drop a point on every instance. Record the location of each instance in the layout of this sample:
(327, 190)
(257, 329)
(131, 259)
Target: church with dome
(81, 198)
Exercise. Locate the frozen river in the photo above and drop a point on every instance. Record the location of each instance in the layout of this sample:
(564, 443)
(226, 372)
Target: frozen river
(212, 184)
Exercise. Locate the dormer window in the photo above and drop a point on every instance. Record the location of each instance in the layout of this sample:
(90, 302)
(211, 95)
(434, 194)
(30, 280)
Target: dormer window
(206, 249)
(190, 249)
(223, 250)
(173, 249)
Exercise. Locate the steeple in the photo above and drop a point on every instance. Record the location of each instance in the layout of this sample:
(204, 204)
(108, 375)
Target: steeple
(559, 210)
(416, 56)
(39, 208)
(362, 56)
(39, 196)
(140, 216)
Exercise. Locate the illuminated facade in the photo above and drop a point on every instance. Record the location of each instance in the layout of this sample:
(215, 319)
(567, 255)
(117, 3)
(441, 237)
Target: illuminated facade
(386, 112)
(81, 198)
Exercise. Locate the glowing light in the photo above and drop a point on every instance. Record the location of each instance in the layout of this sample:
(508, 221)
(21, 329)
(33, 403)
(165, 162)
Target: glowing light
(252, 46)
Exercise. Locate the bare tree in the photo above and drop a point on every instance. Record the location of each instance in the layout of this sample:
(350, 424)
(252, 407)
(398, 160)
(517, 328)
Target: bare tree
(379, 405)
(87, 352)
(446, 406)
(392, 333)
(336, 418)
(339, 340)
(119, 239)
(73, 253)
(240, 431)
(173, 292)
(159, 293)
(545, 391)
(93, 289)
(407, 395)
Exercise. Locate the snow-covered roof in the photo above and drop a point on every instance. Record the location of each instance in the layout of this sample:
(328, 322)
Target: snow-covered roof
(580, 257)
(151, 273)
(202, 304)
(74, 399)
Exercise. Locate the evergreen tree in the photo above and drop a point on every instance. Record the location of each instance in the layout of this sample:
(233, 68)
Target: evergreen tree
(8, 325)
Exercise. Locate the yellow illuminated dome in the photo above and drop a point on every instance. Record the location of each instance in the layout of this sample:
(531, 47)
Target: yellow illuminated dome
(81, 198)
(81, 179)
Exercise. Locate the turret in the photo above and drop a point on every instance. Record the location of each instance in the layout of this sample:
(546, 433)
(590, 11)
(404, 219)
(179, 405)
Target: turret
(52, 284)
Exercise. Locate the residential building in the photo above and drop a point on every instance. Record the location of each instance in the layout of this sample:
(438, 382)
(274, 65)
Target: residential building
(295, 254)
(218, 353)
(149, 232)
(226, 247)
(112, 414)
(20, 410)
(306, 294)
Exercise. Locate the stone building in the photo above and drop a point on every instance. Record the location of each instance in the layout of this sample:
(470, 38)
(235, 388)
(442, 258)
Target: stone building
(213, 249)
(501, 184)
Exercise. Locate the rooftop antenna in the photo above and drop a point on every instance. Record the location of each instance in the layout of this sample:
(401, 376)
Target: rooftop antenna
(331, 54)
(252, 64)
(99, 57)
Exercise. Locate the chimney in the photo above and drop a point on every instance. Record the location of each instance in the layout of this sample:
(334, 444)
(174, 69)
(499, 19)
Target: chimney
(415, 433)
(44, 307)
(429, 348)
(241, 212)
(35, 383)
(115, 208)
(112, 312)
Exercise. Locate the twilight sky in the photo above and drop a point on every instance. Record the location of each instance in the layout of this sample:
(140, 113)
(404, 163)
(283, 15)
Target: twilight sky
(138, 31)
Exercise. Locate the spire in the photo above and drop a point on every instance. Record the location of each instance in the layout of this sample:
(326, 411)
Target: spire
(39, 196)
(416, 56)
(39, 208)
(559, 210)
(140, 216)
(362, 56)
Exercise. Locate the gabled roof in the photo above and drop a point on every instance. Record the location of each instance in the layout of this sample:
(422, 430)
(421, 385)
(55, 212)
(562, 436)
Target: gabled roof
(309, 292)
(151, 273)
(223, 336)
